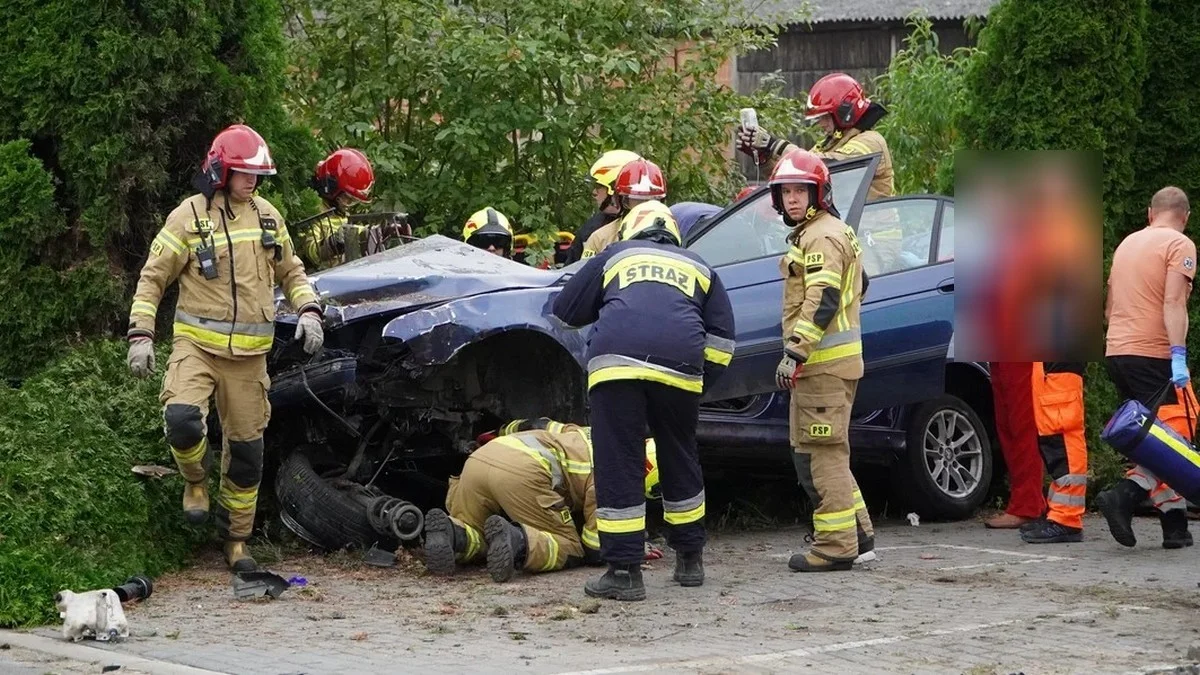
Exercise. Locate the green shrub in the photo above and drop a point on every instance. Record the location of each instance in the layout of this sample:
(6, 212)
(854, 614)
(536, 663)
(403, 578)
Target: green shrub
(1061, 75)
(119, 102)
(72, 514)
(924, 91)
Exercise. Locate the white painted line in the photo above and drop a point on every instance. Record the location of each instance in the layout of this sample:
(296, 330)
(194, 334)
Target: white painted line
(79, 651)
(728, 662)
(977, 549)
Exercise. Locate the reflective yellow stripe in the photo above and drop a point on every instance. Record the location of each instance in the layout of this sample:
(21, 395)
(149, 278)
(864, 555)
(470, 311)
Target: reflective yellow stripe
(301, 295)
(145, 308)
(835, 521)
(684, 517)
(687, 274)
(219, 240)
(238, 499)
(590, 538)
(552, 559)
(855, 148)
(474, 543)
(717, 356)
(795, 255)
(808, 329)
(1175, 444)
(554, 427)
(823, 278)
(858, 501)
(220, 340)
(580, 468)
(532, 452)
(191, 455)
(170, 241)
(650, 374)
(835, 353)
(624, 526)
(511, 427)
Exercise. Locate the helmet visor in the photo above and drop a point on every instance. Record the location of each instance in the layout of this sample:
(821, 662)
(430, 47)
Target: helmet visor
(486, 240)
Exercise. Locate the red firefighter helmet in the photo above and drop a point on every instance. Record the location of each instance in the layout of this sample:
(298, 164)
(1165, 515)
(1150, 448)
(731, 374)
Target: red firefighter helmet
(344, 171)
(802, 167)
(839, 95)
(237, 148)
(641, 179)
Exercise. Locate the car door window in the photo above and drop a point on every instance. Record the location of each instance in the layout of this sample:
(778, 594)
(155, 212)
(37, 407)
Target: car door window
(946, 234)
(755, 230)
(896, 235)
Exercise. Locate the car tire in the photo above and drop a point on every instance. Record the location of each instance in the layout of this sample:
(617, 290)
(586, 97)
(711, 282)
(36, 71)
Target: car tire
(320, 512)
(947, 472)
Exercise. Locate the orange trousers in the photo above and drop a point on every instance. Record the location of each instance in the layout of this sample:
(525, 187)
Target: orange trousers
(1058, 414)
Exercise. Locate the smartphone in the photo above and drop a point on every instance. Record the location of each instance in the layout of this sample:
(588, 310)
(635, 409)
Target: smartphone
(749, 118)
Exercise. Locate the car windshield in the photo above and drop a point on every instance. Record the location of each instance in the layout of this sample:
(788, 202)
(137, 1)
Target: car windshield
(754, 230)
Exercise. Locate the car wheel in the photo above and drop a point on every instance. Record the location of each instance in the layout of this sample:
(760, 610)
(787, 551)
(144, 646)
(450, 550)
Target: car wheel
(949, 463)
(320, 512)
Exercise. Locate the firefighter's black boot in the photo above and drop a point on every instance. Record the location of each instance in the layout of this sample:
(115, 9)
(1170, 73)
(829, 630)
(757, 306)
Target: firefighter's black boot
(620, 582)
(689, 568)
(506, 547)
(1117, 504)
(444, 540)
(1175, 529)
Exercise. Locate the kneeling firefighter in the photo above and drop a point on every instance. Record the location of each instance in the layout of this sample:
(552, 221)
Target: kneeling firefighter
(227, 248)
(538, 473)
(822, 363)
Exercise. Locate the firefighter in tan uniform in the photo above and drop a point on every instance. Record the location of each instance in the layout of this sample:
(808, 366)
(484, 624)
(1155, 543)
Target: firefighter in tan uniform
(639, 181)
(228, 249)
(538, 473)
(838, 104)
(822, 363)
(342, 179)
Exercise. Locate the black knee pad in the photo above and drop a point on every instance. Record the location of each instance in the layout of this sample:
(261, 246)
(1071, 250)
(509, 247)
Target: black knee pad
(803, 464)
(185, 425)
(245, 462)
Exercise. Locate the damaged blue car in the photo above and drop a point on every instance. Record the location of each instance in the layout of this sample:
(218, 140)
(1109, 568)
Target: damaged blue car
(433, 343)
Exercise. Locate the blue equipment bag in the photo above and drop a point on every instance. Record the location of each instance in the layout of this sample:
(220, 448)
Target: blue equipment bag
(1137, 433)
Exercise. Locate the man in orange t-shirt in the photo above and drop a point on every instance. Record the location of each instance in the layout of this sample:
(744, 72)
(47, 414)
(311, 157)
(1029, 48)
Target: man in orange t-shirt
(1148, 289)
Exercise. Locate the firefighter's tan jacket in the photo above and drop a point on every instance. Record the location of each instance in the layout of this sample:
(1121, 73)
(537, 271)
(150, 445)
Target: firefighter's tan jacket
(848, 143)
(233, 314)
(602, 238)
(822, 296)
(565, 452)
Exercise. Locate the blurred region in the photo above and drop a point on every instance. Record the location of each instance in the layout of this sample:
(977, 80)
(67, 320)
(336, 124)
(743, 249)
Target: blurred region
(1028, 264)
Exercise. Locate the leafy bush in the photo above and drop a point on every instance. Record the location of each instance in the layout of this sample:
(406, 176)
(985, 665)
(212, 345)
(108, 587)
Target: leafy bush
(507, 103)
(119, 103)
(924, 91)
(1061, 75)
(72, 514)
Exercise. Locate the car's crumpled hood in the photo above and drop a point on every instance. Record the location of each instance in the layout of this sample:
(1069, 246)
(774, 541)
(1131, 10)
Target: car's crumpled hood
(421, 273)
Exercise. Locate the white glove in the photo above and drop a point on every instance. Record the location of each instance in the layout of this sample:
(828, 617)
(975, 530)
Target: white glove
(309, 329)
(141, 357)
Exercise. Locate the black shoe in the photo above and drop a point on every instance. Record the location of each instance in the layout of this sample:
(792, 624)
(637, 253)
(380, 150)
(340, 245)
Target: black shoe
(809, 562)
(1032, 525)
(689, 568)
(439, 543)
(1175, 529)
(866, 548)
(1051, 532)
(620, 582)
(1117, 505)
(506, 547)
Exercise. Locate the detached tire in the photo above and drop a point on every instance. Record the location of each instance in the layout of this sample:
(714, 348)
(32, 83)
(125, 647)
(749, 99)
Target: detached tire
(948, 470)
(320, 513)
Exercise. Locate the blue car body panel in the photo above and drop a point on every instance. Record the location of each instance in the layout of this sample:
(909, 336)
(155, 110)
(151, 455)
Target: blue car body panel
(438, 295)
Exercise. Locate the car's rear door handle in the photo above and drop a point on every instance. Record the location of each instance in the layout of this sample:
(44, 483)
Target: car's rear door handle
(946, 286)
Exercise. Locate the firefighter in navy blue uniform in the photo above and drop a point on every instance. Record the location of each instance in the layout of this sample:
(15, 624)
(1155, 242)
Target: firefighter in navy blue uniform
(822, 363)
(663, 332)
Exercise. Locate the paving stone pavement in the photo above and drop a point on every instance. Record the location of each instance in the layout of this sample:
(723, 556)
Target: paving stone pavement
(942, 598)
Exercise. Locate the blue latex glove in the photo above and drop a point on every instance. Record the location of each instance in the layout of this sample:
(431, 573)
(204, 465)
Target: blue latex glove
(1179, 370)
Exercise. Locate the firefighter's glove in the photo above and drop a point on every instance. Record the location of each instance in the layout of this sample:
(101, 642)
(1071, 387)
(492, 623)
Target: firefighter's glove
(788, 370)
(759, 143)
(141, 357)
(1179, 370)
(309, 330)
